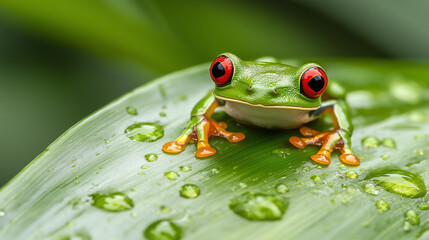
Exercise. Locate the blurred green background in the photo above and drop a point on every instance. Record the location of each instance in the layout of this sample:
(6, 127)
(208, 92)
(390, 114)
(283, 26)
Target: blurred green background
(62, 60)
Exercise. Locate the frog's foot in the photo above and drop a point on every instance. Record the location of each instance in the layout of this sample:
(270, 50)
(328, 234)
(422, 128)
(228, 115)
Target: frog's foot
(200, 133)
(328, 141)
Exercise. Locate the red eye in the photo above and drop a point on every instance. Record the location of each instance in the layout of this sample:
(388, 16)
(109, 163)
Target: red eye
(221, 70)
(313, 82)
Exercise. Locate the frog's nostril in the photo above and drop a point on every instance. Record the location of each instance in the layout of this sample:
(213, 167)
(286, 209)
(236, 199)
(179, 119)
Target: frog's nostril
(275, 91)
(249, 88)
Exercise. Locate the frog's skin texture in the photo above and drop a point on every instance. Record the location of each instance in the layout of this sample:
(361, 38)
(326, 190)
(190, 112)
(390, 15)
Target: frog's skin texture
(268, 94)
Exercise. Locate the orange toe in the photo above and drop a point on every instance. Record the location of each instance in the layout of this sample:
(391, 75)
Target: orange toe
(297, 142)
(235, 137)
(205, 151)
(308, 132)
(349, 159)
(321, 158)
(222, 124)
(173, 147)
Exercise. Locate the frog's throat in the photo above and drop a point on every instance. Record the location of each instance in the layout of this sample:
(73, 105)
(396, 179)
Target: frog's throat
(265, 106)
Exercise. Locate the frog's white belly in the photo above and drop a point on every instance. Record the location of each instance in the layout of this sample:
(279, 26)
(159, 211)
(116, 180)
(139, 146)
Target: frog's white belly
(283, 117)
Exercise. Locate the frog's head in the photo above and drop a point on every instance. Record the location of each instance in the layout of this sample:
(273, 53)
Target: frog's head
(268, 83)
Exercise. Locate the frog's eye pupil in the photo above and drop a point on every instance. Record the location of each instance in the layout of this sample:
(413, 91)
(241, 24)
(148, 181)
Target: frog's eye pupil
(313, 82)
(221, 71)
(316, 83)
(218, 70)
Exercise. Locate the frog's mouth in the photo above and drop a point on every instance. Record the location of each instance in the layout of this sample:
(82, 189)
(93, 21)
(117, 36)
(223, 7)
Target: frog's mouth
(222, 100)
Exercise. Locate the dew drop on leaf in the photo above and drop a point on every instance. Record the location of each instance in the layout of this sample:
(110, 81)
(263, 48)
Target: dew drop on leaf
(259, 206)
(316, 178)
(185, 168)
(163, 230)
(352, 174)
(404, 183)
(165, 209)
(370, 142)
(281, 188)
(412, 217)
(417, 116)
(144, 132)
(389, 142)
(382, 206)
(131, 110)
(151, 157)
(189, 191)
(371, 189)
(115, 202)
(171, 175)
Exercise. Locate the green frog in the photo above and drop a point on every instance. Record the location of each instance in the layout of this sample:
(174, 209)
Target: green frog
(271, 95)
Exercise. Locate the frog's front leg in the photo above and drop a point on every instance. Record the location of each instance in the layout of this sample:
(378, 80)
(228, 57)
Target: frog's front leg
(200, 128)
(339, 138)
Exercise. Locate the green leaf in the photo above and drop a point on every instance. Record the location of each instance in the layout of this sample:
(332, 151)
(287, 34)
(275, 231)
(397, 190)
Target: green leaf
(96, 182)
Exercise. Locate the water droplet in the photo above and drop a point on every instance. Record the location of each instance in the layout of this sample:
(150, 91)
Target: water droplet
(131, 110)
(259, 206)
(343, 167)
(133, 215)
(371, 189)
(151, 157)
(182, 97)
(77, 181)
(406, 91)
(306, 169)
(406, 226)
(2, 212)
(385, 156)
(417, 116)
(419, 152)
(162, 114)
(401, 182)
(281, 188)
(242, 185)
(141, 173)
(189, 191)
(352, 174)
(144, 132)
(172, 175)
(185, 168)
(163, 230)
(412, 217)
(370, 142)
(144, 167)
(165, 209)
(282, 152)
(382, 206)
(389, 142)
(316, 178)
(115, 202)
(424, 206)
(215, 170)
